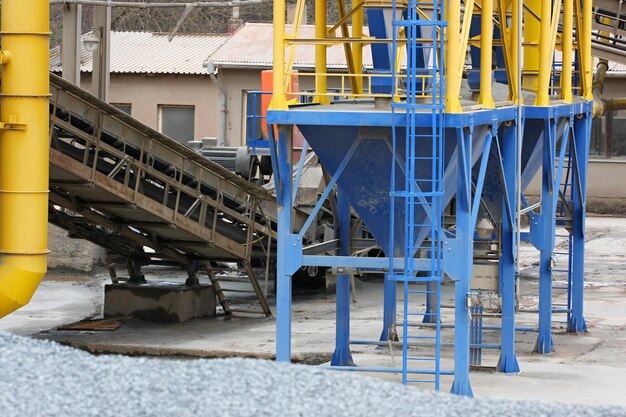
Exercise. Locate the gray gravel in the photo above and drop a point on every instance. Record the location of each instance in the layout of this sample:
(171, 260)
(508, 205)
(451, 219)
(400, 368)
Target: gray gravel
(42, 378)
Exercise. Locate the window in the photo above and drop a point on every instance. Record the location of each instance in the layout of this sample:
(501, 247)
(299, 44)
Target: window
(177, 122)
(125, 107)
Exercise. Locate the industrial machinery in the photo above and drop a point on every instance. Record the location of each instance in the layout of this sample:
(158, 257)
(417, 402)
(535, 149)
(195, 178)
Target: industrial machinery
(436, 165)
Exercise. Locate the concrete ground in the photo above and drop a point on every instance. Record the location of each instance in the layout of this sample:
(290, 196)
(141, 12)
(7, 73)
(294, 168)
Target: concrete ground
(587, 368)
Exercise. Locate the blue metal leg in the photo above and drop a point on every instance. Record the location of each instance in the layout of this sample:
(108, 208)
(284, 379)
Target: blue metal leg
(582, 134)
(545, 343)
(342, 355)
(283, 285)
(461, 384)
(508, 360)
(389, 311)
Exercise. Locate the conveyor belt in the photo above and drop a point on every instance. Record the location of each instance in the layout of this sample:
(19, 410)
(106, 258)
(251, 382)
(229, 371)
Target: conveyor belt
(126, 187)
(609, 30)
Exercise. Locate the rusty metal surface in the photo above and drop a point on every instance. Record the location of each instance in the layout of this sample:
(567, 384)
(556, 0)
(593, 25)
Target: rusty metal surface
(125, 186)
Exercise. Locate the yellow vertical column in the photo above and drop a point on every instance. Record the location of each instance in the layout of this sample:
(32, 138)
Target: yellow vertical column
(566, 47)
(486, 55)
(515, 51)
(357, 48)
(24, 149)
(453, 55)
(586, 50)
(321, 87)
(279, 102)
(545, 64)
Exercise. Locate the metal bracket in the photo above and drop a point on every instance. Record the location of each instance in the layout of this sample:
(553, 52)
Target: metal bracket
(12, 124)
(452, 266)
(294, 259)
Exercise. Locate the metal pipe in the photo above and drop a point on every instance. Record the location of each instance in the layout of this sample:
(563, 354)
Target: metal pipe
(24, 93)
(453, 56)
(320, 53)
(223, 107)
(586, 48)
(486, 55)
(545, 67)
(567, 47)
(279, 101)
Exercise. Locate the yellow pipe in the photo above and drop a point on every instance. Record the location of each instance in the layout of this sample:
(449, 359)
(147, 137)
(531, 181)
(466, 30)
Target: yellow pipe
(24, 150)
(486, 55)
(516, 33)
(586, 49)
(566, 72)
(320, 53)
(453, 54)
(545, 67)
(279, 101)
(357, 49)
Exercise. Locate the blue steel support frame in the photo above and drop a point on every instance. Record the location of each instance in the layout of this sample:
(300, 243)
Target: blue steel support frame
(507, 363)
(549, 196)
(464, 259)
(582, 134)
(283, 266)
(342, 355)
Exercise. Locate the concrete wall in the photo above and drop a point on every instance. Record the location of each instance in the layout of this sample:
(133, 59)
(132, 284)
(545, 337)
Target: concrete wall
(605, 186)
(75, 255)
(146, 92)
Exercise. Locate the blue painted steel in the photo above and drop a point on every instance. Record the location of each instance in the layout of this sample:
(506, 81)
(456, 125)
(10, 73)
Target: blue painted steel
(507, 362)
(256, 140)
(464, 258)
(283, 276)
(342, 355)
(416, 191)
(582, 135)
(296, 182)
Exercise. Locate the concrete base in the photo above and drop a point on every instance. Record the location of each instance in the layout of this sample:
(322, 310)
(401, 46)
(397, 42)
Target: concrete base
(159, 301)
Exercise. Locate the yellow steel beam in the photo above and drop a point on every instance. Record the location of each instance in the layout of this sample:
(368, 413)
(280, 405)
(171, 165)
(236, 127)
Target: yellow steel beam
(295, 32)
(467, 22)
(505, 36)
(357, 48)
(24, 150)
(486, 55)
(321, 86)
(453, 53)
(341, 7)
(545, 59)
(567, 45)
(279, 101)
(586, 49)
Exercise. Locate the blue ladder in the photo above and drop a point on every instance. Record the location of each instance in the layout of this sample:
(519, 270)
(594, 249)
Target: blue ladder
(417, 203)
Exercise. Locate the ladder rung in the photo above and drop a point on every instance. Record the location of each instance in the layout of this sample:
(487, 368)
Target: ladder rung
(420, 358)
(236, 290)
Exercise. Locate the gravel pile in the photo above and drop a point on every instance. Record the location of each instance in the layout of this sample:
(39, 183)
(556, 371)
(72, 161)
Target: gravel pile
(42, 378)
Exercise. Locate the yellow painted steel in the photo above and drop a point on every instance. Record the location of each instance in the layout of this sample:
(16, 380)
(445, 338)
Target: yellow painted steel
(357, 48)
(320, 53)
(567, 46)
(453, 56)
(586, 50)
(24, 151)
(545, 58)
(486, 55)
(295, 33)
(279, 102)
(341, 8)
(532, 37)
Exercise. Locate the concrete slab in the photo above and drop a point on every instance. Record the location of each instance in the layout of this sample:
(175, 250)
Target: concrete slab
(160, 301)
